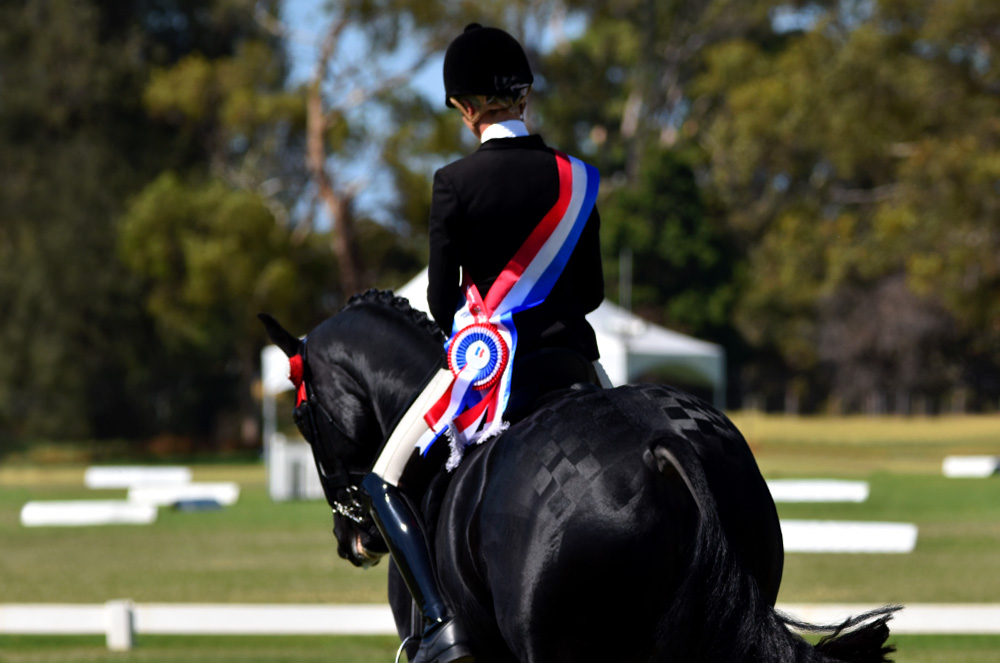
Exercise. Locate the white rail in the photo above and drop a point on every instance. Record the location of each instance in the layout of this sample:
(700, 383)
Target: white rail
(844, 536)
(818, 490)
(120, 621)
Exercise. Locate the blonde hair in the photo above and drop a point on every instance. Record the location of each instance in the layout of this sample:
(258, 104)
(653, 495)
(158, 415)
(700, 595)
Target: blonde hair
(474, 106)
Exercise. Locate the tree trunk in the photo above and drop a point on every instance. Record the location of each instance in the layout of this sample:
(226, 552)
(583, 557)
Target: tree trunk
(339, 203)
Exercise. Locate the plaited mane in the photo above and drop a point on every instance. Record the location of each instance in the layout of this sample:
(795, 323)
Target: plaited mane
(388, 299)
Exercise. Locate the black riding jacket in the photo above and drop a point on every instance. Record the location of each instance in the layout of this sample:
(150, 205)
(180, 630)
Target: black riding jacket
(484, 207)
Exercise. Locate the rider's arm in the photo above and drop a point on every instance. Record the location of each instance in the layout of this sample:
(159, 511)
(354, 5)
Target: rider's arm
(444, 267)
(584, 266)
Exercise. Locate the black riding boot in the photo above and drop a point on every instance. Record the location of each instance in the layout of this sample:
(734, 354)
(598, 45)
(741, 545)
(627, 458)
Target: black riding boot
(443, 640)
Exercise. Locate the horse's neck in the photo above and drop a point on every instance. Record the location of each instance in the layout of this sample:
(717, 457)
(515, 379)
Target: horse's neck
(391, 398)
(402, 369)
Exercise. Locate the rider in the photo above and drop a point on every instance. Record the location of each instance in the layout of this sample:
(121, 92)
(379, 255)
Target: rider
(484, 207)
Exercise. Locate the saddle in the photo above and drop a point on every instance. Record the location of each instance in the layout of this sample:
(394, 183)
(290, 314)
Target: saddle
(544, 375)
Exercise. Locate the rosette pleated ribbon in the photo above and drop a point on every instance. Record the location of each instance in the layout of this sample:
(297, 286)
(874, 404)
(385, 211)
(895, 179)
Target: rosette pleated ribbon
(484, 340)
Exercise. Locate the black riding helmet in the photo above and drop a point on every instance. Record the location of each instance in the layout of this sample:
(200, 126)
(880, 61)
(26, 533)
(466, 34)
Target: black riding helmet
(485, 61)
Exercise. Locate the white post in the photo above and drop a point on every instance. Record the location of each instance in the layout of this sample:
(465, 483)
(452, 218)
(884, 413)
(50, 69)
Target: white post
(119, 617)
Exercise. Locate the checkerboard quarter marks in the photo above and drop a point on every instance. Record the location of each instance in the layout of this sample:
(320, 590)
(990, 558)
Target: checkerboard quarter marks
(629, 524)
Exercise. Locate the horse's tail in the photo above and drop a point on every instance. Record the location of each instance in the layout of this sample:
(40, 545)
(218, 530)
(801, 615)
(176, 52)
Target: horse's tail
(719, 613)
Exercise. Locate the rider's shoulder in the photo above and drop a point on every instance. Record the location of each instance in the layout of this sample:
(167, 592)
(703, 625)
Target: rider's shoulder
(495, 153)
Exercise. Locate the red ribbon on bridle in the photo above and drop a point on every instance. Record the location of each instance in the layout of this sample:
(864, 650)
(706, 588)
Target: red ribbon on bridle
(296, 371)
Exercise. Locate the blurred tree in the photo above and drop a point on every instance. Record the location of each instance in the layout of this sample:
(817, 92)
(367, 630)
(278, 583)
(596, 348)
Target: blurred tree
(621, 95)
(76, 143)
(625, 84)
(212, 257)
(683, 264)
(885, 343)
(863, 150)
(296, 153)
(683, 268)
(218, 241)
(366, 58)
(70, 134)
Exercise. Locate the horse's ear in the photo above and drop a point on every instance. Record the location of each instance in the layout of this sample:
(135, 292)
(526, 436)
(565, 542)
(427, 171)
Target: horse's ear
(281, 337)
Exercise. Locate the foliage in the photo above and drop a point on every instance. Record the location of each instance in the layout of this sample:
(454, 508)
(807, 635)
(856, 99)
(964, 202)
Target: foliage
(813, 185)
(684, 264)
(213, 257)
(635, 65)
(87, 123)
(76, 143)
(847, 151)
(846, 160)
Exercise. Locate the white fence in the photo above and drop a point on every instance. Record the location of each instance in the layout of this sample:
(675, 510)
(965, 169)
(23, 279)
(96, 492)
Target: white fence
(964, 467)
(818, 490)
(148, 488)
(120, 621)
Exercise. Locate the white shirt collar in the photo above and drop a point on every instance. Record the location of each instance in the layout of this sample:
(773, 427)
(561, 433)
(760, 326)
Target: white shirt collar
(505, 129)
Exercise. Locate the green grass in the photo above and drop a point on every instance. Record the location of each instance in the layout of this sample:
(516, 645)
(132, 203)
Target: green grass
(859, 446)
(368, 649)
(256, 551)
(946, 649)
(262, 552)
(201, 649)
(956, 559)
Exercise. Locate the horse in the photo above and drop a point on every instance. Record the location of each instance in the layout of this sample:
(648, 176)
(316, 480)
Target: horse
(628, 524)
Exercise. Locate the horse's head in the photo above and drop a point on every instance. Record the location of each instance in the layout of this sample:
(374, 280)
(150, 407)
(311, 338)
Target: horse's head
(355, 373)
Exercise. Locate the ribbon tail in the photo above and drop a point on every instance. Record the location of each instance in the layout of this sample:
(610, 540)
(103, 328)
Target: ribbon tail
(470, 419)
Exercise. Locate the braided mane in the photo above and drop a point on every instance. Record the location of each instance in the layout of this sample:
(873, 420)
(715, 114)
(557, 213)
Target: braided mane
(387, 299)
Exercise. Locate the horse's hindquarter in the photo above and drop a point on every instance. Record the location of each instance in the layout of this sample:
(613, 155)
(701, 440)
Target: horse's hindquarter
(565, 537)
(745, 507)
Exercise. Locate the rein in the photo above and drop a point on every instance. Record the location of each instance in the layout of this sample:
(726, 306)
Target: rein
(339, 480)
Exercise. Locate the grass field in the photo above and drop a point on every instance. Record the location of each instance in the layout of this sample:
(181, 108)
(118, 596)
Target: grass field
(261, 552)
(202, 649)
(256, 551)
(177, 649)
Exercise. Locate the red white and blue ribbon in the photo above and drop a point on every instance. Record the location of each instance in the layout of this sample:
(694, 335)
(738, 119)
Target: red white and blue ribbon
(484, 339)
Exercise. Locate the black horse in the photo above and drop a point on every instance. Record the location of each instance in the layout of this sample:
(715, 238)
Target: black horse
(628, 524)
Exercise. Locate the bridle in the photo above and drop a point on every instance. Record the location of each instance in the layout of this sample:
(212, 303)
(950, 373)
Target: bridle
(338, 479)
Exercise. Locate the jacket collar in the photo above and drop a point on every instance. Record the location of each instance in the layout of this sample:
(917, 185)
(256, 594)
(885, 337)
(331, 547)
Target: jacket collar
(534, 141)
(505, 129)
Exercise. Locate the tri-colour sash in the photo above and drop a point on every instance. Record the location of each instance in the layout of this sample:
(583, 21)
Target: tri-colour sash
(484, 339)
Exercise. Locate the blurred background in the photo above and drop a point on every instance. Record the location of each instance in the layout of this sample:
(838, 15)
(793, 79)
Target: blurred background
(813, 186)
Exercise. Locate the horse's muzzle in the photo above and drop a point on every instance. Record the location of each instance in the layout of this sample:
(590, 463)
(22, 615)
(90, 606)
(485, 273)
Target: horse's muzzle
(359, 555)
